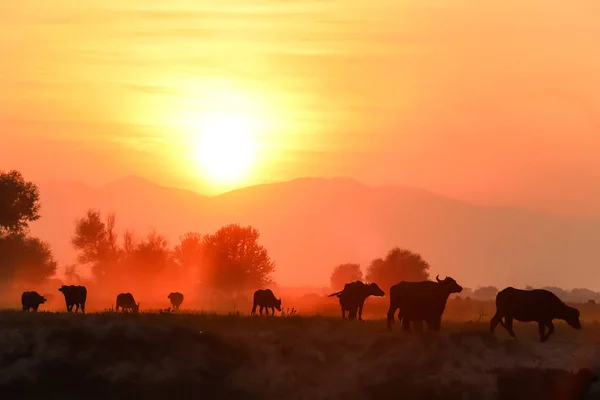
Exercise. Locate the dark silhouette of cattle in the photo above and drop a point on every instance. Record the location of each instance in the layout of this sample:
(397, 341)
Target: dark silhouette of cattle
(74, 296)
(353, 296)
(421, 301)
(176, 299)
(547, 384)
(31, 301)
(127, 302)
(264, 298)
(537, 305)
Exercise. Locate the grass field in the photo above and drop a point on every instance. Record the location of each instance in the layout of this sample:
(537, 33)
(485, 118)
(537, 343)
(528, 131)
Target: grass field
(180, 356)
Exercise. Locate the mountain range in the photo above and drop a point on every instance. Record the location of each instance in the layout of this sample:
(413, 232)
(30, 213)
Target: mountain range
(309, 225)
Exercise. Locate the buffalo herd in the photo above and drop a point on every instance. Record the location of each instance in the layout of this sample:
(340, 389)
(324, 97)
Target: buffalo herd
(416, 302)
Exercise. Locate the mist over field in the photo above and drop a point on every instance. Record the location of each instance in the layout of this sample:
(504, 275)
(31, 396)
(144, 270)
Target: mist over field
(310, 225)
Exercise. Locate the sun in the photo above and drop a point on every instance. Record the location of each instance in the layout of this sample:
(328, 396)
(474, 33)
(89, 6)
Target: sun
(225, 148)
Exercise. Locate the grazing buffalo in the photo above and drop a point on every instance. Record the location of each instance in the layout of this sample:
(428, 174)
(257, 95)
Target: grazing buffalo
(353, 296)
(421, 301)
(264, 298)
(538, 305)
(74, 296)
(127, 302)
(176, 299)
(32, 300)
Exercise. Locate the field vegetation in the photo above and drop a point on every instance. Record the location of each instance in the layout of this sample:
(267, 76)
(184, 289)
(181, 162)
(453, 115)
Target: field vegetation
(191, 355)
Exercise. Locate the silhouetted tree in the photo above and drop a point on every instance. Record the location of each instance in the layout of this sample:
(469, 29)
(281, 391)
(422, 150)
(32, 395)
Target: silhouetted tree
(485, 293)
(26, 259)
(189, 252)
(345, 273)
(398, 265)
(19, 203)
(22, 258)
(150, 256)
(235, 260)
(96, 242)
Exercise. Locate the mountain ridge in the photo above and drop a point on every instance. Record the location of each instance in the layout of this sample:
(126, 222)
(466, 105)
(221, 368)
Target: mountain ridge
(311, 224)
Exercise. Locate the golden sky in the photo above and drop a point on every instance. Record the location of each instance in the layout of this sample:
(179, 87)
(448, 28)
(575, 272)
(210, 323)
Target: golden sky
(494, 102)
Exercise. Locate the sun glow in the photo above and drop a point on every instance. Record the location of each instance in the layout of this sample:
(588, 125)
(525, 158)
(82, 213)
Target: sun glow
(225, 134)
(226, 146)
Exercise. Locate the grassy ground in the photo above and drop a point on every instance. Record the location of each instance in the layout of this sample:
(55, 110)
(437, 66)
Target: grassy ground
(180, 356)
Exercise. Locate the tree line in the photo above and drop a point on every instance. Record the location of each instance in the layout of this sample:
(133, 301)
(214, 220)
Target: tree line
(231, 260)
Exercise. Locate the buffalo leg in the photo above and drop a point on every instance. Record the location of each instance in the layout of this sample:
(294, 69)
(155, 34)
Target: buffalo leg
(260, 311)
(542, 330)
(272, 311)
(77, 307)
(508, 325)
(550, 326)
(360, 308)
(390, 318)
(406, 325)
(496, 319)
(253, 309)
(83, 308)
(343, 313)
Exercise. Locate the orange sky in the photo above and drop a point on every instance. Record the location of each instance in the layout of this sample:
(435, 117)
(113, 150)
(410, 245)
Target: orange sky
(489, 102)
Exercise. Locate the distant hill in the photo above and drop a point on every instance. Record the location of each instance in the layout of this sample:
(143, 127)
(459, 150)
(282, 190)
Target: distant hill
(310, 225)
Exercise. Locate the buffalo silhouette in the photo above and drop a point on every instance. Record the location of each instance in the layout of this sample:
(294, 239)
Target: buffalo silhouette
(264, 298)
(176, 299)
(127, 302)
(537, 305)
(421, 301)
(353, 296)
(74, 296)
(31, 300)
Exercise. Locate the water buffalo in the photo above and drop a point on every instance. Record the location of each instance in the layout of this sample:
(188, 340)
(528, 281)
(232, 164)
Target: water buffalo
(264, 298)
(537, 305)
(126, 302)
(32, 300)
(74, 296)
(353, 296)
(176, 299)
(420, 301)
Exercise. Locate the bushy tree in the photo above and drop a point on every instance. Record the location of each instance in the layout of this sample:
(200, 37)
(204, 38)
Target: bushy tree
(96, 242)
(189, 252)
(398, 265)
(25, 259)
(149, 257)
(19, 202)
(235, 261)
(345, 273)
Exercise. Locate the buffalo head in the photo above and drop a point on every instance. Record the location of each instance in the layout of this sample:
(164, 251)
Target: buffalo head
(278, 304)
(572, 317)
(375, 290)
(136, 308)
(449, 284)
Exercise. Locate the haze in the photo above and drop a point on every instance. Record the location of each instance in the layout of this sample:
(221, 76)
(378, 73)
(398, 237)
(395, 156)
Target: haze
(492, 104)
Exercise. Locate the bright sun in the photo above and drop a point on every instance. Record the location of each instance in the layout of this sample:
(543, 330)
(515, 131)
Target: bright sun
(225, 137)
(225, 148)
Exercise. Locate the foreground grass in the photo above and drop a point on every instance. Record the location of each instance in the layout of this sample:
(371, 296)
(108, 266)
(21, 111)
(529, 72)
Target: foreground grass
(153, 355)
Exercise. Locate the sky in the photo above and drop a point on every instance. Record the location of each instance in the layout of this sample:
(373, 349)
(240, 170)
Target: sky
(496, 103)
